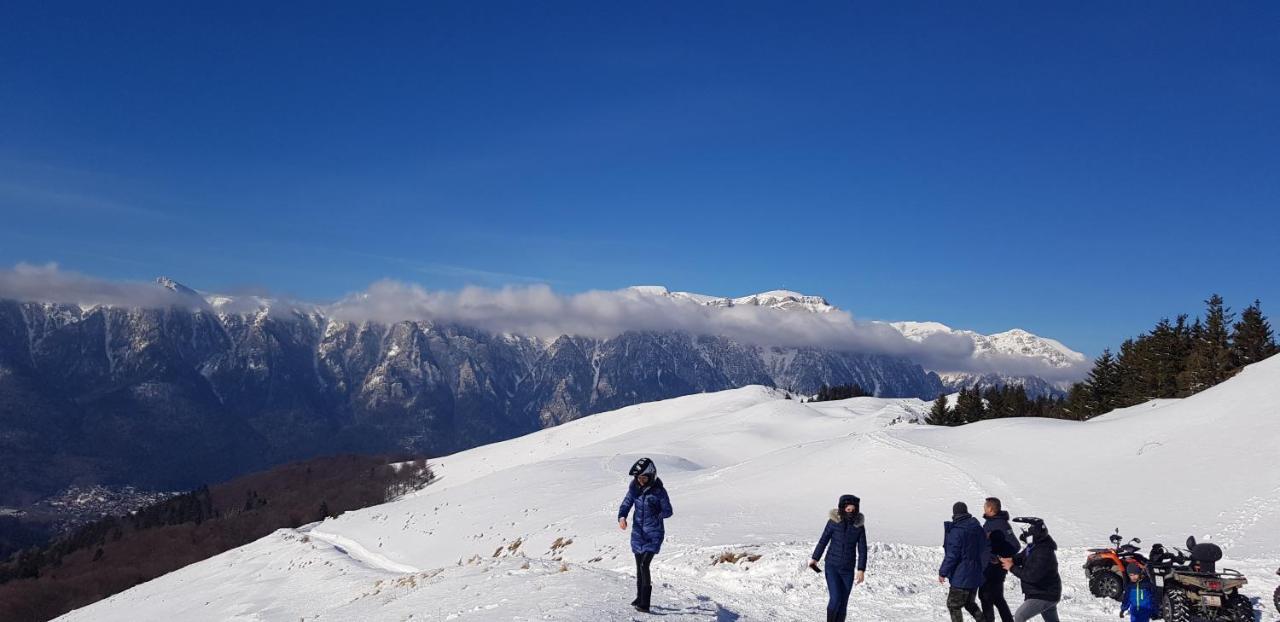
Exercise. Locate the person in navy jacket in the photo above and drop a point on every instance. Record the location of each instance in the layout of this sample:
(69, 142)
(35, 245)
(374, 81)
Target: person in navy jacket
(967, 553)
(844, 538)
(648, 497)
(1139, 596)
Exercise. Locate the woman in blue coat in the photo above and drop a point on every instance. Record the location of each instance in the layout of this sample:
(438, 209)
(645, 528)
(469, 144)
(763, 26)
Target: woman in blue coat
(652, 505)
(844, 538)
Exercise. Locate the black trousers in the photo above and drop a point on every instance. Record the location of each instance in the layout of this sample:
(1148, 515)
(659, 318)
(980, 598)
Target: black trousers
(958, 599)
(642, 569)
(991, 595)
(644, 582)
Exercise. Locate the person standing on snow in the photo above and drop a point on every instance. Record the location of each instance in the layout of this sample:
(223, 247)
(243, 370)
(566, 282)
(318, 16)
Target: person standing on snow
(1037, 567)
(1003, 544)
(652, 505)
(1139, 596)
(967, 555)
(844, 538)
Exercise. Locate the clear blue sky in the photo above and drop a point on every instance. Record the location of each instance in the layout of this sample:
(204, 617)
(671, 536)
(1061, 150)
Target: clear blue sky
(1077, 171)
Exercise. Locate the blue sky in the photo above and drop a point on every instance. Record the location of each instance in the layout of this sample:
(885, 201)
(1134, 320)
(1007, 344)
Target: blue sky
(1077, 171)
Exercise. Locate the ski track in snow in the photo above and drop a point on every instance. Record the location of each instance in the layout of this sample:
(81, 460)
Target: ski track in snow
(524, 530)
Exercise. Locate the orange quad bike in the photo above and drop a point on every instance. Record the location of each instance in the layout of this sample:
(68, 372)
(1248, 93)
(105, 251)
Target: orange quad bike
(1104, 568)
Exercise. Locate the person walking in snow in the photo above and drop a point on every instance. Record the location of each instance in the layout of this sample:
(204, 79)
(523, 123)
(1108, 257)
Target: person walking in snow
(1037, 567)
(844, 539)
(652, 506)
(1003, 544)
(1139, 596)
(967, 554)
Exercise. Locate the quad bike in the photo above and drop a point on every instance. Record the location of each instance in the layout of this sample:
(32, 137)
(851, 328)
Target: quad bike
(1105, 568)
(1195, 589)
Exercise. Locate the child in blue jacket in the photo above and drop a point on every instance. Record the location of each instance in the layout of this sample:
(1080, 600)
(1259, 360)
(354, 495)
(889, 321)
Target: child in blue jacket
(1139, 596)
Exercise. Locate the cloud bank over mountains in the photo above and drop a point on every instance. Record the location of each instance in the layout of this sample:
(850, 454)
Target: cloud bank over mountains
(538, 311)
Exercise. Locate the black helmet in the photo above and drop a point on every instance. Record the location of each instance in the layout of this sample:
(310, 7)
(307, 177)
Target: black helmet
(643, 466)
(1035, 527)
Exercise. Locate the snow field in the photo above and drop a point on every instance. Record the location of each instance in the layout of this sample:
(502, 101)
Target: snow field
(525, 529)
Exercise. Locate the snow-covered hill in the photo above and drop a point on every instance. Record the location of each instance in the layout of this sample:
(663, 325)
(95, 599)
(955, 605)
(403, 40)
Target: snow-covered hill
(525, 529)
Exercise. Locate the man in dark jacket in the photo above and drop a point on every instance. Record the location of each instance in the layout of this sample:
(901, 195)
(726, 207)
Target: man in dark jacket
(1003, 544)
(844, 538)
(1037, 567)
(652, 506)
(966, 556)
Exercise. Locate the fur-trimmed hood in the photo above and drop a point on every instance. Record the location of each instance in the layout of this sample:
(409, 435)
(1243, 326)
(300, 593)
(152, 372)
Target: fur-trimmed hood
(858, 519)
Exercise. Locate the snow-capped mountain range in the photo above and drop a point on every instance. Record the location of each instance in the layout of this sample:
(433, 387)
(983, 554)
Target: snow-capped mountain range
(1016, 342)
(168, 397)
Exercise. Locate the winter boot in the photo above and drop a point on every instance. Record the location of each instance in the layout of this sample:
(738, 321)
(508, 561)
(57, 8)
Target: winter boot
(642, 603)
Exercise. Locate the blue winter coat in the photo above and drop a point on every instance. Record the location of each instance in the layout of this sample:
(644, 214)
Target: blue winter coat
(967, 552)
(1140, 598)
(652, 506)
(845, 542)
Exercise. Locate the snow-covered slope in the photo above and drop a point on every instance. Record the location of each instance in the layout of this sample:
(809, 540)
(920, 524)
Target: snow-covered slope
(525, 529)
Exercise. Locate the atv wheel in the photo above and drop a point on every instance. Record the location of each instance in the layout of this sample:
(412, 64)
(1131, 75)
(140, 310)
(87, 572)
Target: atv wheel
(1277, 599)
(1176, 608)
(1240, 608)
(1104, 583)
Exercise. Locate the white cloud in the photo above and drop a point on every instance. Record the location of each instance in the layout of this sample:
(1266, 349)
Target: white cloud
(48, 283)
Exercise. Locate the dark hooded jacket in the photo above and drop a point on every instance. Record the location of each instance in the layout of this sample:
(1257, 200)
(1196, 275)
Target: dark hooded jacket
(652, 506)
(844, 539)
(1037, 567)
(966, 552)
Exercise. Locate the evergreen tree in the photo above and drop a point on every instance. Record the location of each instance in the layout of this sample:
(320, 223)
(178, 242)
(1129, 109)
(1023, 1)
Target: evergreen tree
(1102, 386)
(839, 392)
(1131, 367)
(940, 414)
(969, 406)
(1252, 339)
(1076, 406)
(1210, 359)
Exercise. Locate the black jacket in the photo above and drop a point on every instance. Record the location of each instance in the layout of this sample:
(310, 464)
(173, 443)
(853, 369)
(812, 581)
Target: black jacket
(1037, 567)
(1003, 544)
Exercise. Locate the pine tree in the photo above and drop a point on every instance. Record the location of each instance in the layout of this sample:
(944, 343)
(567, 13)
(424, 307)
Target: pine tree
(1252, 339)
(1131, 370)
(1210, 360)
(940, 414)
(1076, 406)
(969, 406)
(1102, 385)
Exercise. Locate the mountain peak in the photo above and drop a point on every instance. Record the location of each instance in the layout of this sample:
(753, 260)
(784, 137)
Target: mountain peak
(172, 285)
